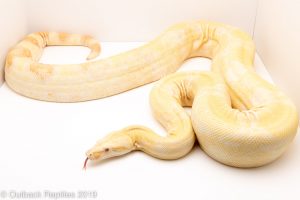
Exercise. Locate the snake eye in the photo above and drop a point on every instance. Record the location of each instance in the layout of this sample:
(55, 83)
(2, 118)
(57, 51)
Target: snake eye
(106, 149)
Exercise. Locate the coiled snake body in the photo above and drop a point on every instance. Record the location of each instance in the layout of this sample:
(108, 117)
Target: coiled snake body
(239, 119)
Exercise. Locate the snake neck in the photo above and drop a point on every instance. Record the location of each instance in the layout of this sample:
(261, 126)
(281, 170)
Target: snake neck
(172, 146)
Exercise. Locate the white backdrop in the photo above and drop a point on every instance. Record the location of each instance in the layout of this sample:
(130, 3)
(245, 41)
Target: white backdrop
(134, 20)
(13, 23)
(277, 40)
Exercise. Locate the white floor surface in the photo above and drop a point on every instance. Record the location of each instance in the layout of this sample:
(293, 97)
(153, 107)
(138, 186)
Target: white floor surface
(43, 144)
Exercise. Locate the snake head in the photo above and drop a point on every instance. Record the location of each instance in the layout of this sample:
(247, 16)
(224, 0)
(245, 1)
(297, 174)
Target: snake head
(114, 144)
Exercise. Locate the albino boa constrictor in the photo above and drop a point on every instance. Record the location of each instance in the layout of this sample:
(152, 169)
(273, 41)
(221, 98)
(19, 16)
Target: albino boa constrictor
(239, 119)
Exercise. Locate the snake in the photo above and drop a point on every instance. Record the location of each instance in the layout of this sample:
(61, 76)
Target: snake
(238, 118)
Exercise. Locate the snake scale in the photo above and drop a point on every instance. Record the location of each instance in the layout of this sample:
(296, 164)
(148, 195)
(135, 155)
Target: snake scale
(238, 118)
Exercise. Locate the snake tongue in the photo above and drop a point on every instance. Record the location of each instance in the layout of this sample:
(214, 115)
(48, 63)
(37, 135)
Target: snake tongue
(85, 162)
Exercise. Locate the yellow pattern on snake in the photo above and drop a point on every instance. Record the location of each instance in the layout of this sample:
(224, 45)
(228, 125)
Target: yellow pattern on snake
(238, 118)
